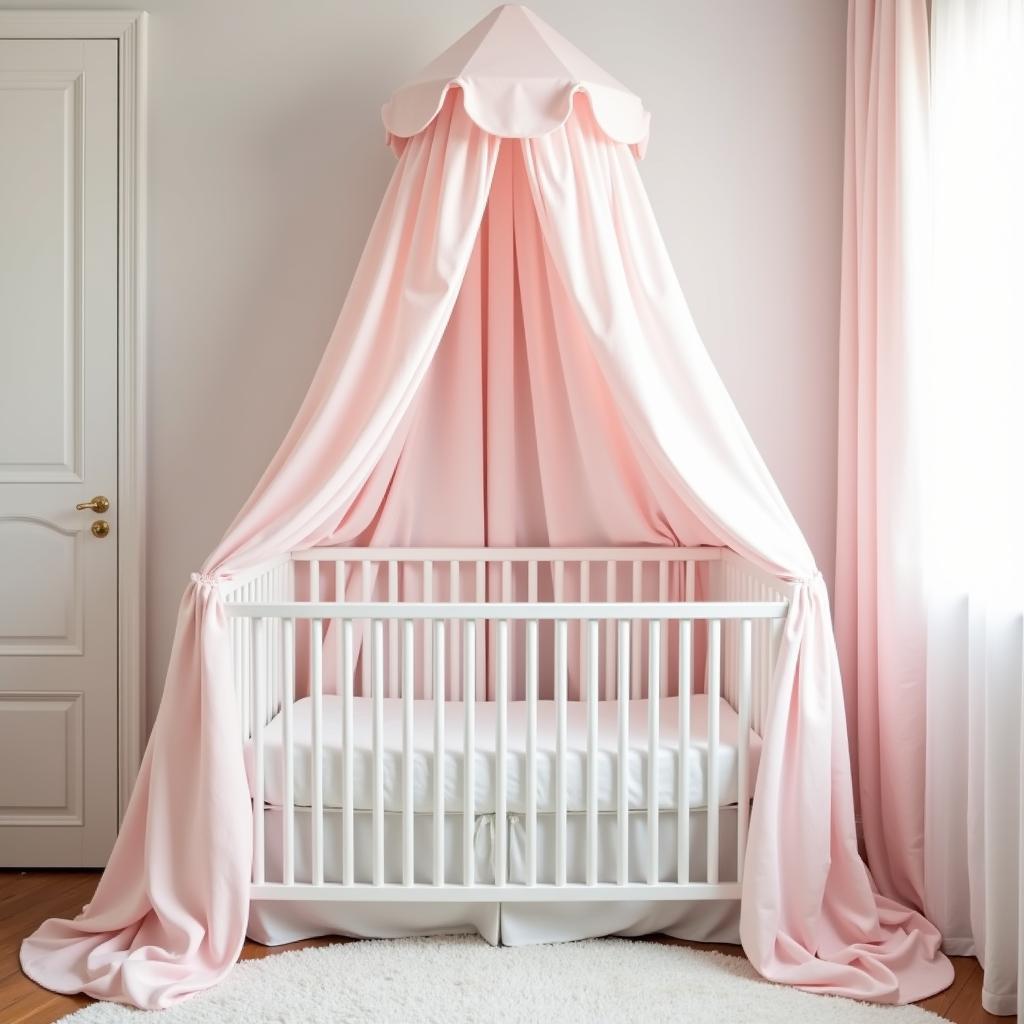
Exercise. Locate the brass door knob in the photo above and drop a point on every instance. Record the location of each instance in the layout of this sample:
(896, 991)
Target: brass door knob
(100, 528)
(98, 504)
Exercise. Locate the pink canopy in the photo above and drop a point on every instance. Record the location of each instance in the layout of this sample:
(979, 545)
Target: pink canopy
(515, 364)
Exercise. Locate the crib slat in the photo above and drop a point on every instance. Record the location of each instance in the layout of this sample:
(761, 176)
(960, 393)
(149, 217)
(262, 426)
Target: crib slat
(683, 755)
(611, 570)
(439, 752)
(269, 708)
(531, 751)
(622, 807)
(407, 751)
(743, 758)
(392, 631)
(561, 710)
(455, 634)
(367, 641)
(266, 709)
(282, 595)
(653, 743)
(316, 654)
(288, 753)
(348, 838)
(737, 629)
(582, 626)
(274, 651)
(590, 629)
(638, 595)
(691, 593)
(730, 591)
(314, 581)
(482, 676)
(377, 673)
(428, 633)
(259, 698)
(663, 659)
(262, 649)
(279, 642)
(506, 595)
(469, 751)
(531, 581)
(714, 695)
(501, 756)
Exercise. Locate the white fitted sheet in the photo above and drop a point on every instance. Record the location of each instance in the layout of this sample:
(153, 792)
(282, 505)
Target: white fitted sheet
(484, 761)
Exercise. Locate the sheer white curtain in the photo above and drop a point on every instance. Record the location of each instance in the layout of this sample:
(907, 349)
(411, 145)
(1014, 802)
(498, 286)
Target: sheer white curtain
(971, 400)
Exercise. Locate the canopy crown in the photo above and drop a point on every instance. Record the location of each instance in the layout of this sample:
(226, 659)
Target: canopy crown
(519, 79)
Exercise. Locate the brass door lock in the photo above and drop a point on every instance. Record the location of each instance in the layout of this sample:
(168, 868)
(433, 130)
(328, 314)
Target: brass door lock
(100, 528)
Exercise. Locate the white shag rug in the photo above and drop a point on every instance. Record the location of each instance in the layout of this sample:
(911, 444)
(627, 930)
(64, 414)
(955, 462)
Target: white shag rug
(462, 979)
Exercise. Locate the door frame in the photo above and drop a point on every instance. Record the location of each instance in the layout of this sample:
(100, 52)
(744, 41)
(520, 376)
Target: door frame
(128, 29)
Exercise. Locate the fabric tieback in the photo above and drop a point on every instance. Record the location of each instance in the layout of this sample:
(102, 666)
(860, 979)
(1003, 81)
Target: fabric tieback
(810, 581)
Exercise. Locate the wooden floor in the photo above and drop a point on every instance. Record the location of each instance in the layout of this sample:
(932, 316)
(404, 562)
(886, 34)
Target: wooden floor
(27, 898)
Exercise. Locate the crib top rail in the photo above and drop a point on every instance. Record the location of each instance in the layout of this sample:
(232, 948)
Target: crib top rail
(506, 554)
(734, 582)
(512, 610)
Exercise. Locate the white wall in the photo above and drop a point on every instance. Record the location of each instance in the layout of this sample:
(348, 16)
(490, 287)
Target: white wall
(267, 162)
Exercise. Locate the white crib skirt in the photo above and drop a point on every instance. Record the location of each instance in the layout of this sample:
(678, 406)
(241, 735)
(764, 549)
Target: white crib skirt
(274, 922)
(696, 920)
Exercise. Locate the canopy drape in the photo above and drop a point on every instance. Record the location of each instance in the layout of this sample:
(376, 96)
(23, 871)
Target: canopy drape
(170, 912)
(810, 915)
(570, 267)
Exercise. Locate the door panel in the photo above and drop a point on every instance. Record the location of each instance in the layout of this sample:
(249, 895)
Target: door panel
(41, 609)
(43, 733)
(41, 210)
(58, 448)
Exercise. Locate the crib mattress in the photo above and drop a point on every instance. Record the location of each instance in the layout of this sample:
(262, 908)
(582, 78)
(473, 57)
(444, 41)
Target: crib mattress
(485, 759)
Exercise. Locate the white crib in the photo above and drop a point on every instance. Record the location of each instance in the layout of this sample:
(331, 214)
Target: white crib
(599, 718)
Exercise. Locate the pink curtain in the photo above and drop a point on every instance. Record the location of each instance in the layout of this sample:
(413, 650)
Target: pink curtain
(581, 408)
(880, 619)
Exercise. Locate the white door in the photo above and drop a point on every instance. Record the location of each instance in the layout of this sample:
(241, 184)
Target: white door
(58, 449)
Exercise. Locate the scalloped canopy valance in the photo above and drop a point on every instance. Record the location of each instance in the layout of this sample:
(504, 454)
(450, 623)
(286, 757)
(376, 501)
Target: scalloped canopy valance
(519, 79)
